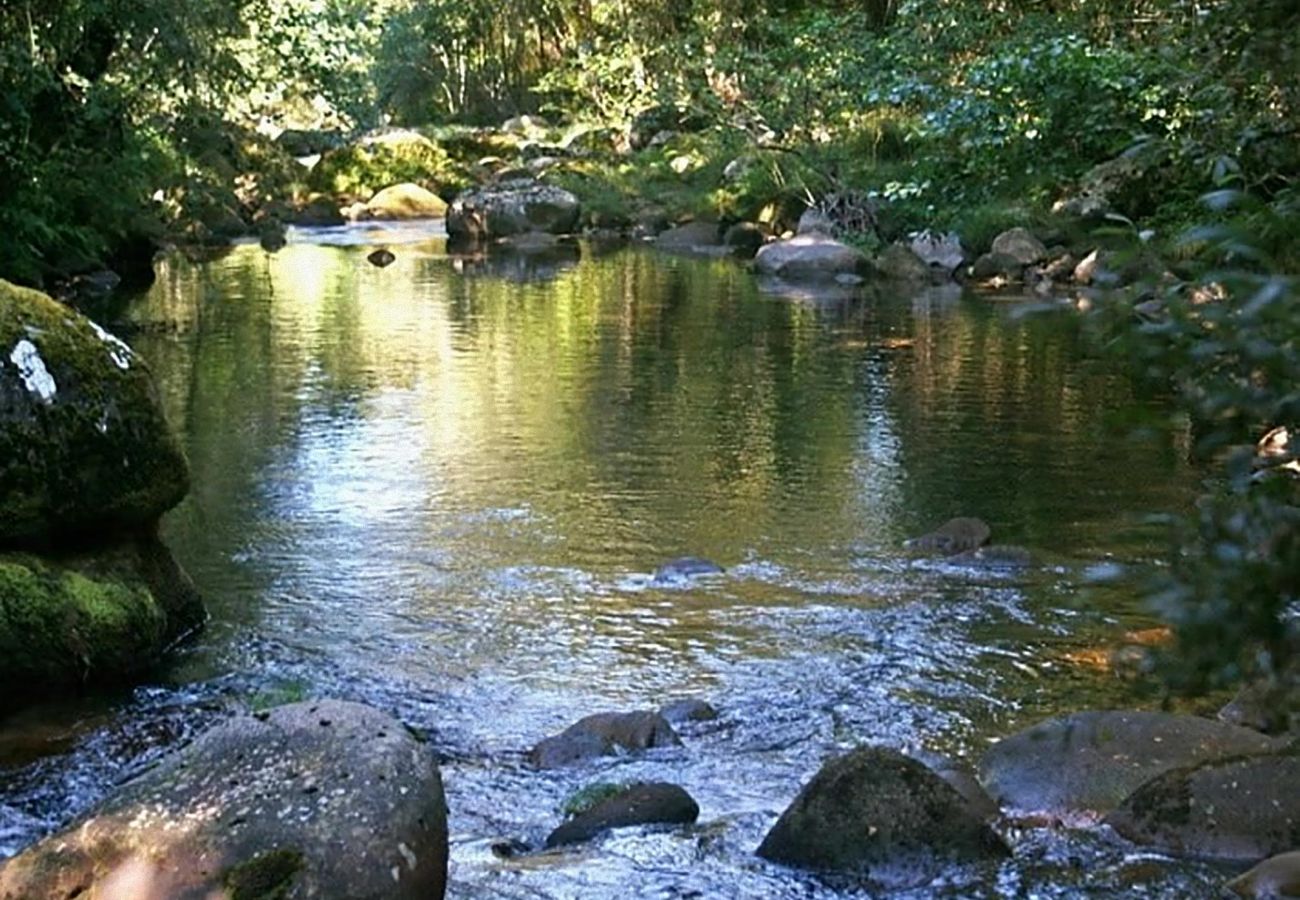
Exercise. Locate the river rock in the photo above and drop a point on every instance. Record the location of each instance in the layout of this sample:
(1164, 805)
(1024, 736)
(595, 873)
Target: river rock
(318, 212)
(1275, 878)
(1241, 809)
(684, 568)
(405, 201)
(688, 709)
(810, 257)
(83, 443)
(897, 262)
(381, 258)
(1021, 245)
(877, 814)
(962, 780)
(744, 238)
(512, 207)
(690, 237)
(604, 734)
(1085, 764)
(639, 804)
(997, 265)
(959, 535)
(320, 799)
(95, 617)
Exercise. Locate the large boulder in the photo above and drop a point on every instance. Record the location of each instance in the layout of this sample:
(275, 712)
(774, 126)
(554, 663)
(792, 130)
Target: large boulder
(320, 799)
(512, 207)
(1084, 765)
(1021, 245)
(811, 257)
(83, 443)
(878, 814)
(405, 201)
(92, 618)
(638, 804)
(604, 734)
(1243, 809)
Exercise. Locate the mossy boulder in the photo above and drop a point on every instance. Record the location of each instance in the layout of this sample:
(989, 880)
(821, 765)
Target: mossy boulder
(637, 804)
(83, 443)
(512, 207)
(317, 799)
(93, 617)
(879, 815)
(405, 201)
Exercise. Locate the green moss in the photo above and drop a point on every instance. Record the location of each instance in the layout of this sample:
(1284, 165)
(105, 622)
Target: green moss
(359, 170)
(592, 795)
(267, 876)
(60, 626)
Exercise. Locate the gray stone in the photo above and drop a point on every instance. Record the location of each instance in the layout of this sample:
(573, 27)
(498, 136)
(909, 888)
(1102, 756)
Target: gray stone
(688, 709)
(942, 252)
(1243, 809)
(320, 799)
(639, 804)
(997, 265)
(512, 207)
(810, 257)
(877, 814)
(1085, 764)
(604, 734)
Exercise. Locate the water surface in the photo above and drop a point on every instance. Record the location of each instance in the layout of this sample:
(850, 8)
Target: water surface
(441, 488)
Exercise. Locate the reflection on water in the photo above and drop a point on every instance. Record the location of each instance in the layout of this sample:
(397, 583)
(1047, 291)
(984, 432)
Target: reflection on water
(441, 487)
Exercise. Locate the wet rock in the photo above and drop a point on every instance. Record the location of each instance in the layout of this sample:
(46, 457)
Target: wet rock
(898, 263)
(639, 804)
(405, 201)
(271, 235)
(744, 238)
(684, 568)
(690, 237)
(84, 446)
(688, 709)
(877, 814)
(318, 212)
(95, 617)
(810, 257)
(322, 799)
(958, 535)
(512, 207)
(1275, 878)
(995, 265)
(1084, 765)
(1021, 245)
(1000, 557)
(1241, 809)
(604, 734)
(961, 779)
(381, 257)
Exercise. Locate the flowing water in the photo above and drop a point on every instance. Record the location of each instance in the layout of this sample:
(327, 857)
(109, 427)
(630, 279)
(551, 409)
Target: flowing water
(441, 488)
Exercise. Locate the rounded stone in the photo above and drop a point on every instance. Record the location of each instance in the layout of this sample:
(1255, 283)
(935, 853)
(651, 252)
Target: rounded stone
(638, 804)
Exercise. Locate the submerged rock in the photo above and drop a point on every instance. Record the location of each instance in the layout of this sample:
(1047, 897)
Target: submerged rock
(810, 257)
(84, 446)
(512, 207)
(1275, 878)
(604, 734)
(688, 709)
(1084, 765)
(957, 535)
(686, 567)
(322, 799)
(877, 814)
(381, 258)
(1242, 809)
(638, 804)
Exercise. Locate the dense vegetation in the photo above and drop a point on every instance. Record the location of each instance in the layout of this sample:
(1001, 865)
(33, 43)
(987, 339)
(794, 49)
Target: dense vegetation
(123, 121)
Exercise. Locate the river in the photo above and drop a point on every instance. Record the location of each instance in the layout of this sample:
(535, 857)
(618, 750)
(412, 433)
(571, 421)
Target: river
(441, 488)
